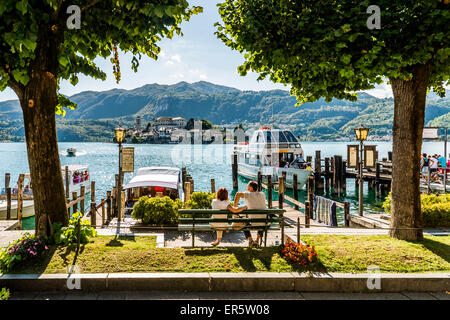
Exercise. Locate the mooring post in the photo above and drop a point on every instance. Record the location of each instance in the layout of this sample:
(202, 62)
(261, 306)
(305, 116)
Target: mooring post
(310, 198)
(318, 172)
(295, 189)
(307, 213)
(108, 206)
(66, 175)
(298, 229)
(93, 207)
(269, 191)
(7, 178)
(103, 212)
(344, 176)
(213, 186)
(327, 174)
(235, 170)
(8, 203)
(187, 192)
(20, 199)
(183, 175)
(259, 180)
(116, 195)
(347, 213)
(280, 192)
(75, 206)
(113, 202)
(82, 194)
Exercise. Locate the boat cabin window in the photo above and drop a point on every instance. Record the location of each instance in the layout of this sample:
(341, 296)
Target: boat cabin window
(79, 176)
(247, 157)
(285, 157)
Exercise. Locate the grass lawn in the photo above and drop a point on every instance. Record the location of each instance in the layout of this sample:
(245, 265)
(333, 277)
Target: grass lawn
(336, 254)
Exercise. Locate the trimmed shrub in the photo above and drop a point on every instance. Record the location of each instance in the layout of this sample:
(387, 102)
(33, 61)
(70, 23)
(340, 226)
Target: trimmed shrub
(157, 210)
(200, 200)
(435, 209)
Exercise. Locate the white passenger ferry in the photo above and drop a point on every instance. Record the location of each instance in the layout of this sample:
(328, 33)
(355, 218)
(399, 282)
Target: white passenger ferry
(272, 151)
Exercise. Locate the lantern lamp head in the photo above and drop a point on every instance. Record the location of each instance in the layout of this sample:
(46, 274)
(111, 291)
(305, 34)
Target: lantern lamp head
(362, 133)
(119, 134)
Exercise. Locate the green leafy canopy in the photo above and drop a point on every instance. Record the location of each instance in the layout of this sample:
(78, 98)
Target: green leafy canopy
(134, 25)
(323, 48)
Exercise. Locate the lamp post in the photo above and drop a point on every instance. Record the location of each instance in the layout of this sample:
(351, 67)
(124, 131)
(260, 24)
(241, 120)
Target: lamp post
(361, 135)
(119, 134)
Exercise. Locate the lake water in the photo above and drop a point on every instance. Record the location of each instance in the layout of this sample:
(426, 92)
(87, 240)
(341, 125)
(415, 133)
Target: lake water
(203, 162)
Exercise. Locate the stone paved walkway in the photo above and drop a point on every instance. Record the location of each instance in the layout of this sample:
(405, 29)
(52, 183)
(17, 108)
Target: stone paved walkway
(143, 295)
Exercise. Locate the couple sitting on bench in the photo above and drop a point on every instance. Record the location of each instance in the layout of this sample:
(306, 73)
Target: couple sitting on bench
(254, 199)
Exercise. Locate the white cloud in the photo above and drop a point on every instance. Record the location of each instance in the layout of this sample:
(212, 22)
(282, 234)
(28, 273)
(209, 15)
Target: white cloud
(176, 58)
(177, 76)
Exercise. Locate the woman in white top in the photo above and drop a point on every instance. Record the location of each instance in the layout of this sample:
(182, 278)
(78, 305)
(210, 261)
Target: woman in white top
(221, 203)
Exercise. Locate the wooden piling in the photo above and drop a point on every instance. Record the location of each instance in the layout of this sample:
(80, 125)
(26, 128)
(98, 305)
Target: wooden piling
(347, 213)
(82, 194)
(187, 193)
(7, 179)
(93, 210)
(269, 191)
(75, 206)
(344, 176)
(234, 169)
(298, 229)
(318, 172)
(259, 180)
(122, 205)
(327, 174)
(213, 186)
(337, 175)
(108, 206)
(20, 199)
(103, 212)
(307, 213)
(183, 175)
(67, 182)
(295, 189)
(113, 202)
(116, 195)
(377, 179)
(8, 203)
(280, 192)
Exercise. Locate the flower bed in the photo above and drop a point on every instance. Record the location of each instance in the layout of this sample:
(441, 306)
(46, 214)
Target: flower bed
(298, 253)
(26, 248)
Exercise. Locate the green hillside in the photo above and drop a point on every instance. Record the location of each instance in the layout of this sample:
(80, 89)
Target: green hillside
(99, 112)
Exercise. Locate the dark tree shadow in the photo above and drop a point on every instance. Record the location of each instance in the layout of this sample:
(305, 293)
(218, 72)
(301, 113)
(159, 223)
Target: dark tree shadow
(115, 242)
(438, 248)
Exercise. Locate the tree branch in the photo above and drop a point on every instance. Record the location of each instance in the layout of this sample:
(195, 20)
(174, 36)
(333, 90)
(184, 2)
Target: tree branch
(93, 3)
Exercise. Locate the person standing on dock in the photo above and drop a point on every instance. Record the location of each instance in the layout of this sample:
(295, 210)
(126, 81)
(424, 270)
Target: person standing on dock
(254, 199)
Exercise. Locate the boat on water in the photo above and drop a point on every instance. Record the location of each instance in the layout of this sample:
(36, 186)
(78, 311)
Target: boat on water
(154, 182)
(78, 176)
(272, 152)
(71, 152)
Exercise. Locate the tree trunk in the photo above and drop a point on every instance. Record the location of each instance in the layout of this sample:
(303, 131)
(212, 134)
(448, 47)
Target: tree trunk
(38, 101)
(409, 117)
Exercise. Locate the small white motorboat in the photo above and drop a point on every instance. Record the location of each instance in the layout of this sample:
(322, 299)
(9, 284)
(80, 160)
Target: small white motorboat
(71, 152)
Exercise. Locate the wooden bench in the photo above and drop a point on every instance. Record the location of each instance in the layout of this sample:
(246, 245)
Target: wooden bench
(273, 221)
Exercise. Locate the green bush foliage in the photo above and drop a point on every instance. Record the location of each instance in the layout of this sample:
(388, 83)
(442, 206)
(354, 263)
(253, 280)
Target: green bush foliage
(68, 235)
(200, 200)
(4, 294)
(435, 209)
(157, 210)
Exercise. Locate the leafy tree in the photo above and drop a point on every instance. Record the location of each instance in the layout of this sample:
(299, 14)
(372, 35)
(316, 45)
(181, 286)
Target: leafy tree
(38, 49)
(325, 48)
(206, 125)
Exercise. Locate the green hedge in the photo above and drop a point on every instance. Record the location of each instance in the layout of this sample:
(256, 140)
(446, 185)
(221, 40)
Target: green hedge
(157, 210)
(435, 209)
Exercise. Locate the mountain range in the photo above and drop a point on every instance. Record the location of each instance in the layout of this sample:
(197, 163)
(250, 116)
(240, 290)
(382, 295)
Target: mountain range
(98, 113)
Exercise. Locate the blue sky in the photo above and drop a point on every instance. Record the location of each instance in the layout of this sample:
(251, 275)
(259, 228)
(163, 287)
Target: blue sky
(196, 56)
